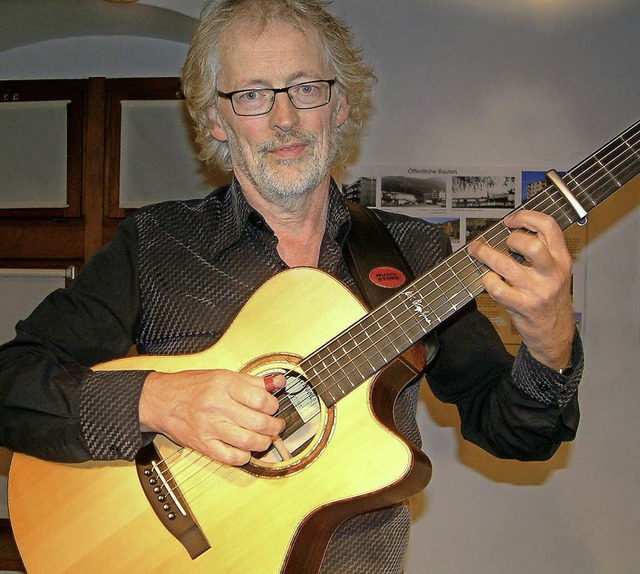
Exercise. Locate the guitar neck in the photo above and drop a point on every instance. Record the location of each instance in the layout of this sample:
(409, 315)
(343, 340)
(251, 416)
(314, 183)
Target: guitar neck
(387, 331)
(594, 179)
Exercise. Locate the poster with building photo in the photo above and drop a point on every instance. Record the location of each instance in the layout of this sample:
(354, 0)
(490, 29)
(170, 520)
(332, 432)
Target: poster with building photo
(464, 202)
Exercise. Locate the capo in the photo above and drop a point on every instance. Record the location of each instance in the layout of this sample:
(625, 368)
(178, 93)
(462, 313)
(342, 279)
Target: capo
(554, 177)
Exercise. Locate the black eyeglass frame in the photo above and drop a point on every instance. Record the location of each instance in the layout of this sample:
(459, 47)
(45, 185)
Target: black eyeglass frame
(229, 96)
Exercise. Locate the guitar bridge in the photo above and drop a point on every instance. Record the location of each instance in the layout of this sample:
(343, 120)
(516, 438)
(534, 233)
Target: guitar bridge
(167, 502)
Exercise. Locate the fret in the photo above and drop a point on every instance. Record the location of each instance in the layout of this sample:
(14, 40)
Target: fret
(627, 165)
(338, 367)
(469, 275)
(453, 289)
(559, 208)
(619, 157)
(327, 389)
(380, 338)
(418, 301)
(605, 157)
(545, 202)
(438, 301)
(580, 190)
(389, 334)
(468, 271)
(613, 152)
(497, 235)
(388, 344)
(434, 308)
(596, 184)
(631, 141)
(352, 372)
(400, 325)
(434, 296)
(410, 326)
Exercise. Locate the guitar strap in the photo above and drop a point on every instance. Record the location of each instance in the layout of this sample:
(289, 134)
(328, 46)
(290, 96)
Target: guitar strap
(376, 264)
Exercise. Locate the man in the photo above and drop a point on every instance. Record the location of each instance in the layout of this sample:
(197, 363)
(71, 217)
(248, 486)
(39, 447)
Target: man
(277, 92)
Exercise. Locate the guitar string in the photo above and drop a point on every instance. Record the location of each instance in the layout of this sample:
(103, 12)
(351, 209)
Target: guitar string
(554, 202)
(499, 230)
(187, 491)
(231, 469)
(625, 141)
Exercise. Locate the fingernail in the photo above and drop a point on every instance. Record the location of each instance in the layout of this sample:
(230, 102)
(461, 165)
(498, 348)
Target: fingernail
(269, 383)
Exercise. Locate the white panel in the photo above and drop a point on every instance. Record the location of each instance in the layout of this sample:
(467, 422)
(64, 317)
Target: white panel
(157, 161)
(33, 154)
(20, 291)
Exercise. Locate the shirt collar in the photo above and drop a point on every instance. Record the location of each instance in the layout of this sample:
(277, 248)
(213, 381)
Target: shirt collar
(338, 221)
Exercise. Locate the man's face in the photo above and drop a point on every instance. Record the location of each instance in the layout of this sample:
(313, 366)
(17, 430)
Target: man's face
(286, 153)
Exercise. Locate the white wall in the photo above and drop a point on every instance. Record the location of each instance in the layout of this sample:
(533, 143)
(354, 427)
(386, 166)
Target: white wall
(491, 83)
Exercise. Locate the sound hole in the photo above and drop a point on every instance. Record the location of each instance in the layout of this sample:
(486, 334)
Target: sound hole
(307, 424)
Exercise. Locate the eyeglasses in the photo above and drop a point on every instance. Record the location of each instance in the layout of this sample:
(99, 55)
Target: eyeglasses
(304, 96)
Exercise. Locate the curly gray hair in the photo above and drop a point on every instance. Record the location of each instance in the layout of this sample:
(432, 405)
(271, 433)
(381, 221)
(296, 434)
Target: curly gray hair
(354, 79)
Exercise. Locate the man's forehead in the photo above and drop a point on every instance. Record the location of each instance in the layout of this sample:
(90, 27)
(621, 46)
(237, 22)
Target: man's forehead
(252, 52)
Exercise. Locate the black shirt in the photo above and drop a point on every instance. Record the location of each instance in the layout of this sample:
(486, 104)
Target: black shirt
(171, 281)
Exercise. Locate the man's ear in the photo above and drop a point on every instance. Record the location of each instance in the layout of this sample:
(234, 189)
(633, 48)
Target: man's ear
(216, 128)
(343, 110)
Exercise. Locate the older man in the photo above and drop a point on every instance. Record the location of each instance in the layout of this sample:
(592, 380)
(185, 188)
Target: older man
(278, 92)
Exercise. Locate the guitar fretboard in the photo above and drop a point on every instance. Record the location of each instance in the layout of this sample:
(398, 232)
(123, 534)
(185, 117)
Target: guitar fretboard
(372, 342)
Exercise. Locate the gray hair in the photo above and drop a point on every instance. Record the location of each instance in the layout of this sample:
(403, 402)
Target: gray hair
(354, 79)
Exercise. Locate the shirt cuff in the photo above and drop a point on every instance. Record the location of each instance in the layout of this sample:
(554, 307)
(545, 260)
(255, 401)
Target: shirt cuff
(109, 414)
(545, 384)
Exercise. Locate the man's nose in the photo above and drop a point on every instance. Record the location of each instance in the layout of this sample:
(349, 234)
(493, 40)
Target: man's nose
(284, 115)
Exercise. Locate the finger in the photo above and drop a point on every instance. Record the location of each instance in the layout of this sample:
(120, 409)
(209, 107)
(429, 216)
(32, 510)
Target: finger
(223, 452)
(506, 277)
(244, 439)
(543, 245)
(532, 248)
(274, 382)
(259, 423)
(256, 395)
(543, 225)
(269, 384)
(499, 262)
(252, 406)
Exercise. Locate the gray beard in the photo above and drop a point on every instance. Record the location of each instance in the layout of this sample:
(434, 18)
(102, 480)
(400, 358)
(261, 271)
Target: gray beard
(289, 195)
(286, 195)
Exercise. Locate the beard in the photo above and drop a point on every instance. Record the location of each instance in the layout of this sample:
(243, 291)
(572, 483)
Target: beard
(285, 182)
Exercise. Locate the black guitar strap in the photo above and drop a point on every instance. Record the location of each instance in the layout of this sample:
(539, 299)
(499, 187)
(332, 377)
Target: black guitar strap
(375, 262)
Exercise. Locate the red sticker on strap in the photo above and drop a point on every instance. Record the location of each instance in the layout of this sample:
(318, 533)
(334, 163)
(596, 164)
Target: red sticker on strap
(388, 277)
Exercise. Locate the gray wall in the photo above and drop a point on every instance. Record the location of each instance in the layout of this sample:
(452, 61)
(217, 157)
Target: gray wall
(488, 83)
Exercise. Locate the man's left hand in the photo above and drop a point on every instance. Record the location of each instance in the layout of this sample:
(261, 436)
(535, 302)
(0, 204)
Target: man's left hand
(536, 293)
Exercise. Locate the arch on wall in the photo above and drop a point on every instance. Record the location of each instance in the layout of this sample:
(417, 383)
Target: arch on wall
(36, 21)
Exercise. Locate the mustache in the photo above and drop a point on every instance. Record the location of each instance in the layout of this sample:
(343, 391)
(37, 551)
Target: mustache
(292, 136)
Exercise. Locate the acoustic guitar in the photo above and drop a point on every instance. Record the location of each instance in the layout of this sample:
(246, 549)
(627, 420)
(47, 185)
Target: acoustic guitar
(175, 511)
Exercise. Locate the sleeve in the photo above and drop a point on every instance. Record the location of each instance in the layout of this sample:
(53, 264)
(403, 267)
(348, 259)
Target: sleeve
(49, 406)
(518, 409)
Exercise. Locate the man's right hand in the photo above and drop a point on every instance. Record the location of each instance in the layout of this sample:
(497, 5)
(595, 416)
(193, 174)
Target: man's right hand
(222, 414)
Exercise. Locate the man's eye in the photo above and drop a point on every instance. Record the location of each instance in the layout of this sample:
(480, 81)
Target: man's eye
(251, 96)
(307, 90)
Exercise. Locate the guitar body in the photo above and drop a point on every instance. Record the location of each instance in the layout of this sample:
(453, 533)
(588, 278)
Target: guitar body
(266, 518)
